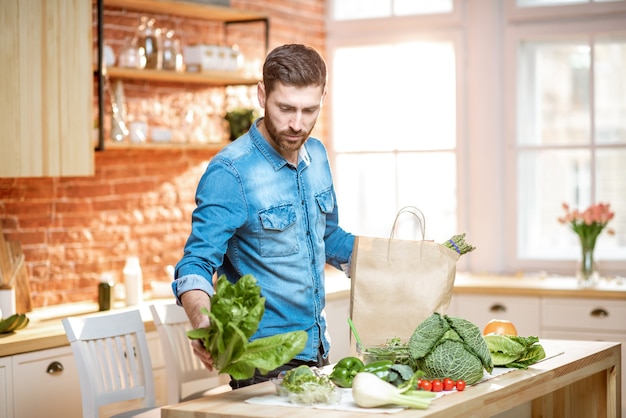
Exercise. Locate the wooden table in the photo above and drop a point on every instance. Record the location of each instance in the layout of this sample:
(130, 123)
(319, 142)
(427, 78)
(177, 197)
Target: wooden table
(582, 382)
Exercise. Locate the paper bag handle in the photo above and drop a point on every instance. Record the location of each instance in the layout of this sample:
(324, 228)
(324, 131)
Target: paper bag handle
(418, 215)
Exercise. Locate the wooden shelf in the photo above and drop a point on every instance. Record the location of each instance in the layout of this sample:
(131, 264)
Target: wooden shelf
(215, 146)
(185, 9)
(209, 78)
(188, 9)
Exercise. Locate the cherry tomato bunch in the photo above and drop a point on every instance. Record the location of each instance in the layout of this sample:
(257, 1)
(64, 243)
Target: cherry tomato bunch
(439, 385)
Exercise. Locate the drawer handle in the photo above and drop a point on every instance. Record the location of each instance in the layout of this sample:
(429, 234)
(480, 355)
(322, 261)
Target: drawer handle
(54, 368)
(599, 313)
(497, 308)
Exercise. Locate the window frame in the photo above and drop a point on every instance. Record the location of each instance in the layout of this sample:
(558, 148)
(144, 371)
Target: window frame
(485, 41)
(559, 23)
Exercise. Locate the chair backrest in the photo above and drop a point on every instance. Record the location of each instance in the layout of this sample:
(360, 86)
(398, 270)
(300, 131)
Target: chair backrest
(112, 358)
(185, 372)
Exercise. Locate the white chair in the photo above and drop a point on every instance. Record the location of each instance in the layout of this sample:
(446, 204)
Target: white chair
(187, 378)
(113, 362)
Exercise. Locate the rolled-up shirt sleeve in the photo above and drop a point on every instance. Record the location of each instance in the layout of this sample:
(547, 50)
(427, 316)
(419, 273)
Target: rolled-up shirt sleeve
(191, 282)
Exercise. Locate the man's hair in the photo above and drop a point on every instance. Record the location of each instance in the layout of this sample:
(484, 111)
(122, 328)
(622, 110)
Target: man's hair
(294, 65)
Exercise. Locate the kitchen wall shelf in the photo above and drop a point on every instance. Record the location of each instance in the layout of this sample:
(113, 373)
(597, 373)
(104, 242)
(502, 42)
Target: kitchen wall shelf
(226, 15)
(209, 78)
(209, 146)
(188, 9)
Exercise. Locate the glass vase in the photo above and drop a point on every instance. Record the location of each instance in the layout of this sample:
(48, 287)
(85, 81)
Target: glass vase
(587, 272)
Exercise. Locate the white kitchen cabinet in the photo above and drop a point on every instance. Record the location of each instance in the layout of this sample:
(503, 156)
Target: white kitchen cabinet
(46, 99)
(586, 319)
(45, 384)
(523, 311)
(51, 375)
(6, 388)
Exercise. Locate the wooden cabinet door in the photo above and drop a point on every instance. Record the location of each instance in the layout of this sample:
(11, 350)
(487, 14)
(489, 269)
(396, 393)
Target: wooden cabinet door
(46, 384)
(46, 88)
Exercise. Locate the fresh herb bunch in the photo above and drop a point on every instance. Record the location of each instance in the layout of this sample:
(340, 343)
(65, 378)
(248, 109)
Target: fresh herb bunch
(458, 244)
(393, 349)
(236, 310)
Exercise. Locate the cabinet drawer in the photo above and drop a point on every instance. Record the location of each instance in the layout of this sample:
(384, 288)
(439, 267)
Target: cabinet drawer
(52, 375)
(522, 311)
(596, 315)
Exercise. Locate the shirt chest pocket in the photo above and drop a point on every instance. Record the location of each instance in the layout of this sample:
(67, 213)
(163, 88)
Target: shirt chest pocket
(325, 201)
(278, 236)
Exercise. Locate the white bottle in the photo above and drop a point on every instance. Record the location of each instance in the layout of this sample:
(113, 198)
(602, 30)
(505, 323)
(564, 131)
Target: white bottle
(133, 281)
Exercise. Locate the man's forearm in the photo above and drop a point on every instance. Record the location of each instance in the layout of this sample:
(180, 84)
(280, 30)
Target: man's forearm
(192, 301)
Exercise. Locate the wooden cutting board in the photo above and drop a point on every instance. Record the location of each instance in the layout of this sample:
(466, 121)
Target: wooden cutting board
(6, 261)
(23, 299)
(10, 252)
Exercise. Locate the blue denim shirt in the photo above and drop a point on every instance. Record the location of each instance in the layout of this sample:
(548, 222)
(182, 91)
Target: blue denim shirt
(256, 214)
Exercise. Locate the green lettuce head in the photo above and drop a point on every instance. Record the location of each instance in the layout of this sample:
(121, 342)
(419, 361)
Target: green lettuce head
(444, 346)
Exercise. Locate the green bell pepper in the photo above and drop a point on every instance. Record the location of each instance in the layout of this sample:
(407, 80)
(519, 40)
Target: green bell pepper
(345, 370)
(381, 368)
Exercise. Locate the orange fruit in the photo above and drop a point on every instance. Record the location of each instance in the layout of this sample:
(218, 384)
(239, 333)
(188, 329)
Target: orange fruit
(500, 326)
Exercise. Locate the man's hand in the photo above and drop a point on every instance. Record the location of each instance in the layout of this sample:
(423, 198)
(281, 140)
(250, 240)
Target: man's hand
(192, 302)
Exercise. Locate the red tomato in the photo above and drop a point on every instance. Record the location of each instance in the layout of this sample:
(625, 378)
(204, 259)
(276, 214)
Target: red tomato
(419, 383)
(448, 384)
(460, 385)
(426, 385)
(437, 385)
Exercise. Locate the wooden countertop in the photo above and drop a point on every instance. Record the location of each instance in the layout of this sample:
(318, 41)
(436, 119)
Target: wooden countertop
(538, 285)
(589, 368)
(45, 332)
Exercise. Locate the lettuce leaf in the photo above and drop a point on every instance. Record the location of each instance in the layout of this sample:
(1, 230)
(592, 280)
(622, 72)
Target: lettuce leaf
(514, 351)
(236, 311)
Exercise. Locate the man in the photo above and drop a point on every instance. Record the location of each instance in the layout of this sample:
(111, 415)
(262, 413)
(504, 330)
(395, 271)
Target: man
(266, 206)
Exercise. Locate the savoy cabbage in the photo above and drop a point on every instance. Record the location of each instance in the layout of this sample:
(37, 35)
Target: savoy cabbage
(444, 346)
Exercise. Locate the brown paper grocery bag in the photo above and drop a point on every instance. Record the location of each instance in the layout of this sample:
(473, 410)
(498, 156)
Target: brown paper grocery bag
(396, 284)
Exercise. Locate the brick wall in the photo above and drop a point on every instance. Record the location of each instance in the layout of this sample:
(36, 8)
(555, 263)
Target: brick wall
(139, 202)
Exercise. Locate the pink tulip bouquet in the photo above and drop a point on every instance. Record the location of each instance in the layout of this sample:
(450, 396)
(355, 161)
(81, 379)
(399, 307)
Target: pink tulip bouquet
(588, 225)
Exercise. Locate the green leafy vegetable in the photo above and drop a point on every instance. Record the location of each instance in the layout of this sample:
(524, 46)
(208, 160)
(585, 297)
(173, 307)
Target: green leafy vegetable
(514, 351)
(294, 378)
(236, 310)
(401, 374)
(306, 387)
(444, 346)
(458, 244)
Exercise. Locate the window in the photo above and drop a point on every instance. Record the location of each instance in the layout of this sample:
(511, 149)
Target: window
(395, 132)
(487, 119)
(570, 143)
(365, 9)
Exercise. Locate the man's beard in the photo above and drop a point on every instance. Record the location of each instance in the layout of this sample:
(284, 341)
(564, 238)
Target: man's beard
(279, 138)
